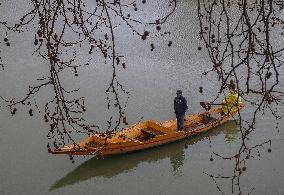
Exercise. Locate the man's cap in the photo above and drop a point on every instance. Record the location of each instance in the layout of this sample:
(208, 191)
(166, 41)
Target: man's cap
(179, 92)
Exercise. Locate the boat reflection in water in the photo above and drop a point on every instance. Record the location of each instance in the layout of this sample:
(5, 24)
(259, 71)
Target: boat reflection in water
(115, 165)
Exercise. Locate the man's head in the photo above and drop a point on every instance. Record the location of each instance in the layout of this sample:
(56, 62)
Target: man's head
(179, 93)
(232, 86)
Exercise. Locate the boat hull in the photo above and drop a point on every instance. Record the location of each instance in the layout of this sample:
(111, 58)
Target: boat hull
(128, 140)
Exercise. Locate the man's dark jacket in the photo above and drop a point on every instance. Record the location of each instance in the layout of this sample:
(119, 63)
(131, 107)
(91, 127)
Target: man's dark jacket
(180, 105)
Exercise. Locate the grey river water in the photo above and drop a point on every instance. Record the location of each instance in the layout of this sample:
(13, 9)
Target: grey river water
(152, 79)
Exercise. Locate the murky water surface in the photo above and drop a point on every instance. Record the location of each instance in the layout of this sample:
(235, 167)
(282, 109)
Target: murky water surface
(152, 78)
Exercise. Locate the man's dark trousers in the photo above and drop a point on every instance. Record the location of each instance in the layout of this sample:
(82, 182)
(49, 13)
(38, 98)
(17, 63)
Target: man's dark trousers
(180, 121)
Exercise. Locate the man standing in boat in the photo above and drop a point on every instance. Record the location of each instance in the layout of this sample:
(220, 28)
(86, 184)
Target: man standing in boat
(232, 101)
(180, 106)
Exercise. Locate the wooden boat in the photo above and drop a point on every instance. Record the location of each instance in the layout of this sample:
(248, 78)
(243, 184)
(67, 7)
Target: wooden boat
(146, 135)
